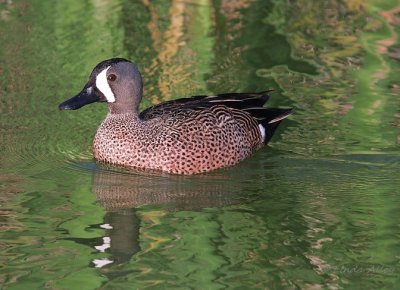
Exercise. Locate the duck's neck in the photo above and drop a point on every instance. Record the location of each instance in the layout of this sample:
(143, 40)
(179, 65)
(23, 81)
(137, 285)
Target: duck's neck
(132, 116)
(122, 109)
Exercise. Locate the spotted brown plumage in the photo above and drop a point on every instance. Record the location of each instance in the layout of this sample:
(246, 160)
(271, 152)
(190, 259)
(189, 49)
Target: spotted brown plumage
(183, 136)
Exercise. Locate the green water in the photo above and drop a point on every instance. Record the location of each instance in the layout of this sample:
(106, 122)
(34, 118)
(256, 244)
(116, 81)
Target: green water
(319, 208)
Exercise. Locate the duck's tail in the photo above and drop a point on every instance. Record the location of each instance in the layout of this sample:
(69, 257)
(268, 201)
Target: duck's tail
(268, 120)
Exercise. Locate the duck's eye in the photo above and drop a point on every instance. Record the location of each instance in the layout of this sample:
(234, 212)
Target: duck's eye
(111, 77)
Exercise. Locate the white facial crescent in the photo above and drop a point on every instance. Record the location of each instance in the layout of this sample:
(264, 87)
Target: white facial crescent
(104, 87)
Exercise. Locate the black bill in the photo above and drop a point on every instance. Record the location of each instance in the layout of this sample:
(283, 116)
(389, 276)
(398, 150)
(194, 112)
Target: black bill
(87, 96)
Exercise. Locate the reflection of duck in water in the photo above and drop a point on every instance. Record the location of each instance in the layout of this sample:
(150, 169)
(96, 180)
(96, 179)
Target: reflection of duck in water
(119, 193)
(184, 136)
(116, 190)
(121, 238)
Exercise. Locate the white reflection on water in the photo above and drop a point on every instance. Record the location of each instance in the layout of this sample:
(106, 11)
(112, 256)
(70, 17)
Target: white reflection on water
(100, 263)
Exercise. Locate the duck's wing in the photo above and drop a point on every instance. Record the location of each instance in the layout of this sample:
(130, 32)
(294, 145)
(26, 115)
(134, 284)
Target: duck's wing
(239, 101)
(243, 106)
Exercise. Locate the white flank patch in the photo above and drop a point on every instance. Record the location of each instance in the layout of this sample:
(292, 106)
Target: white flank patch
(104, 87)
(262, 130)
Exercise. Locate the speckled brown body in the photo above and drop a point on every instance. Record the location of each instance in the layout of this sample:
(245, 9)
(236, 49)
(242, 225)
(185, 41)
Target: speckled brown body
(186, 143)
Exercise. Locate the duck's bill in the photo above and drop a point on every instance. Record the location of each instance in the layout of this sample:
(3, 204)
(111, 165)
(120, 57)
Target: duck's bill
(87, 96)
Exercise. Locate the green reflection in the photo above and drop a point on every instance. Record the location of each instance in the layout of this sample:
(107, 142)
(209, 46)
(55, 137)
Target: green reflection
(317, 209)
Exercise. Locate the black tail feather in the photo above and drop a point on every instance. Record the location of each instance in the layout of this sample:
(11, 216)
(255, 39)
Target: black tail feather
(269, 131)
(271, 120)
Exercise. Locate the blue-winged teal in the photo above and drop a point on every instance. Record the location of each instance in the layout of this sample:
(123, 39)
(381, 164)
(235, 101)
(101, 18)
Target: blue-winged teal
(183, 136)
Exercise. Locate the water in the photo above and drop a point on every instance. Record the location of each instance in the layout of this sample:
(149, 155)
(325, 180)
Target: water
(317, 209)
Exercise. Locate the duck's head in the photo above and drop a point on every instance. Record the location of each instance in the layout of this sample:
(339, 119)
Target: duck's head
(116, 81)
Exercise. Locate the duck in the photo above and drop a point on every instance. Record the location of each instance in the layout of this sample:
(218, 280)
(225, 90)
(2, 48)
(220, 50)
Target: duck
(183, 136)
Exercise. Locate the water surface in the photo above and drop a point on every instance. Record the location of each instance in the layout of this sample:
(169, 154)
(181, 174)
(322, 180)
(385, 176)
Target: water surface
(316, 209)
